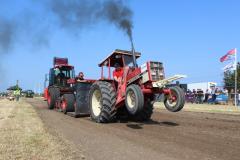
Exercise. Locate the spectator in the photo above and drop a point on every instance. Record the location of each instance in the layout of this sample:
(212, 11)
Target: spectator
(194, 92)
(217, 91)
(213, 93)
(190, 96)
(225, 91)
(189, 91)
(207, 93)
(199, 96)
(17, 94)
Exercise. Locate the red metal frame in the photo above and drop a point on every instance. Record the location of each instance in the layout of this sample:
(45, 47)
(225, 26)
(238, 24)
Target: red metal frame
(133, 73)
(60, 61)
(45, 94)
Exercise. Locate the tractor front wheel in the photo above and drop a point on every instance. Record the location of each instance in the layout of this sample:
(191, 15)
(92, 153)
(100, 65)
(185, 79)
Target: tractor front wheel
(102, 100)
(175, 101)
(134, 100)
(67, 103)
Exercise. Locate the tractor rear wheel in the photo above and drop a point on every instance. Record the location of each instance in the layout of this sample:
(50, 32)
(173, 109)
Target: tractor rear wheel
(67, 103)
(54, 94)
(102, 100)
(176, 101)
(146, 113)
(134, 100)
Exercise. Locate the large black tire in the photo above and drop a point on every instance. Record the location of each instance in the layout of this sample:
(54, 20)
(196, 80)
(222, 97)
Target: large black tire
(69, 99)
(146, 113)
(102, 100)
(179, 102)
(134, 99)
(54, 94)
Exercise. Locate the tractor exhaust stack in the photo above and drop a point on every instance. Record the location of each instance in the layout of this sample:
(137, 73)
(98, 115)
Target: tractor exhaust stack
(134, 55)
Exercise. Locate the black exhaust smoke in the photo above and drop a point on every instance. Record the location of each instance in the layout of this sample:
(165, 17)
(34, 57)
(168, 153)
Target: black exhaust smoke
(73, 15)
(7, 32)
(121, 16)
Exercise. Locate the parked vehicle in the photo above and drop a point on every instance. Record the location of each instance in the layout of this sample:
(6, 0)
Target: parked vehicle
(28, 93)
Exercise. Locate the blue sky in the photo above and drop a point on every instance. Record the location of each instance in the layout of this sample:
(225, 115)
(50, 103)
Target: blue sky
(188, 36)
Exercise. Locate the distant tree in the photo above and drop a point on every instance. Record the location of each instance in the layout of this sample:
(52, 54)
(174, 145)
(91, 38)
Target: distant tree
(229, 79)
(12, 88)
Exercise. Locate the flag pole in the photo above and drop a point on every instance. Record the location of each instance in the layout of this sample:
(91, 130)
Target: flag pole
(236, 77)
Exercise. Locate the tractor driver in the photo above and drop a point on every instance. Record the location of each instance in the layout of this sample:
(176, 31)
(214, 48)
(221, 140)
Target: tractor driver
(61, 74)
(118, 73)
(80, 77)
(60, 78)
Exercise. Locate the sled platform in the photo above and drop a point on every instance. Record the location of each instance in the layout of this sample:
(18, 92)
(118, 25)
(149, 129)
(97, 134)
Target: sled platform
(77, 115)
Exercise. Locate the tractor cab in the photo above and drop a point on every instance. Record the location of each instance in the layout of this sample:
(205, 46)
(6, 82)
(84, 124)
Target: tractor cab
(61, 73)
(120, 58)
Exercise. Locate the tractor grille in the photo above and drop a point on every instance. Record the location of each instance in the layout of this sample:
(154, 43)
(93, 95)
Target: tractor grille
(156, 71)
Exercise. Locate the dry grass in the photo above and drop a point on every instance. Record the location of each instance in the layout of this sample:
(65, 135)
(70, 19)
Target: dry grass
(23, 135)
(211, 108)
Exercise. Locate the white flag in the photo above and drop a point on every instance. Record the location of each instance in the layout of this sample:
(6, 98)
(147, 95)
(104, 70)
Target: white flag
(230, 67)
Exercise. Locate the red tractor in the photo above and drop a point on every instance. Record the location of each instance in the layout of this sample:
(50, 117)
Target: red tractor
(59, 93)
(132, 88)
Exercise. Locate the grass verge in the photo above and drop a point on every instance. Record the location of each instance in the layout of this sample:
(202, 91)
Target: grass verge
(23, 135)
(210, 108)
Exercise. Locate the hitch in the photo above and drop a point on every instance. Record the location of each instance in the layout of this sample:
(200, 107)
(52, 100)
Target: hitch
(164, 82)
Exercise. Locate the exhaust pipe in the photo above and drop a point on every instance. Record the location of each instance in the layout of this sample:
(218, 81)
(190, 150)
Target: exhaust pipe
(134, 56)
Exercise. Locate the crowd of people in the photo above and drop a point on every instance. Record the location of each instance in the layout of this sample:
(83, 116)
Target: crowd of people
(209, 96)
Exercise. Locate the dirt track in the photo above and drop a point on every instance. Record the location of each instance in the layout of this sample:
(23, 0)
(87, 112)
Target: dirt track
(181, 136)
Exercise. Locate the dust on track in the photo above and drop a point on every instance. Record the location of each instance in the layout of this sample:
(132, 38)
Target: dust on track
(169, 136)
